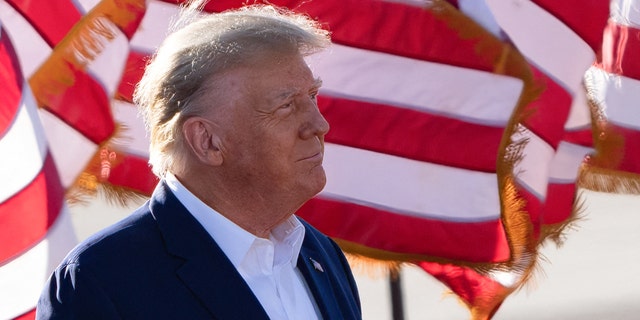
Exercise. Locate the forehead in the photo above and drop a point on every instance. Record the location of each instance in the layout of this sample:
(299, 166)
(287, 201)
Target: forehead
(267, 79)
(292, 66)
(277, 75)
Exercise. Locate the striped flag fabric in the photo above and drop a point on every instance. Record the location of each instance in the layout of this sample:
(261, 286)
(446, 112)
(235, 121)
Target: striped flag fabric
(560, 44)
(614, 86)
(75, 83)
(35, 229)
(59, 72)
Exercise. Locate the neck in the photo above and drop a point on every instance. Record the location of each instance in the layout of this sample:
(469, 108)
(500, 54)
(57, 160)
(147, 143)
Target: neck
(254, 212)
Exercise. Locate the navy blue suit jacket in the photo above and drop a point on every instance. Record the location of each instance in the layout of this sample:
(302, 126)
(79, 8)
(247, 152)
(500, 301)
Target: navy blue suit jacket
(160, 263)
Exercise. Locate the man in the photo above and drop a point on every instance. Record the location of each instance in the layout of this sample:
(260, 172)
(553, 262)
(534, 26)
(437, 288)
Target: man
(238, 141)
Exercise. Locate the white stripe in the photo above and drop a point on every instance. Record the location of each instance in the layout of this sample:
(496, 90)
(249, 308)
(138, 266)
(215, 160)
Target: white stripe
(85, 6)
(626, 12)
(618, 96)
(23, 148)
(579, 113)
(409, 186)
(546, 41)
(30, 48)
(533, 170)
(133, 138)
(70, 150)
(566, 162)
(107, 67)
(154, 26)
(22, 279)
(472, 95)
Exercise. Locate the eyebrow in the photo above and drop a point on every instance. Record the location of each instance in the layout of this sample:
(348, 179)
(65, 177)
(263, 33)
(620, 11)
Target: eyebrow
(317, 83)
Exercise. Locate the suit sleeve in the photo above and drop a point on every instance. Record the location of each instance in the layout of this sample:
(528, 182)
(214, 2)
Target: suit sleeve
(73, 293)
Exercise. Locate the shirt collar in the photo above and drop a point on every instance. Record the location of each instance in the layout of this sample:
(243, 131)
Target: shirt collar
(289, 233)
(234, 241)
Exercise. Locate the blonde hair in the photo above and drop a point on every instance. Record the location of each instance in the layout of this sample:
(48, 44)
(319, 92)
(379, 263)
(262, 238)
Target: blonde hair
(204, 46)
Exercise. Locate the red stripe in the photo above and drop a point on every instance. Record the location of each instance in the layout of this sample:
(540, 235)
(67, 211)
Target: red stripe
(587, 18)
(411, 134)
(26, 217)
(557, 207)
(51, 19)
(583, 137)
(549, 112)
(444, 36)
(559, 203)
(84, 106)
(472, 287)
(30, 315)
(134, 69)
(11, 81)
(621, 50)
(383, 230)
(133, 173)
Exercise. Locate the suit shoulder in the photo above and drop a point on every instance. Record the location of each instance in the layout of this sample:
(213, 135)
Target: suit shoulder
(118, 240)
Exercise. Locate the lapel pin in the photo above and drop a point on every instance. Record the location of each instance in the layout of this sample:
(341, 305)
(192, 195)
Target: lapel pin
(316, 265)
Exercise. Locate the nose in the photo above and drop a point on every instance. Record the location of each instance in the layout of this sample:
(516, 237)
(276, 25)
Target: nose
(315, 124)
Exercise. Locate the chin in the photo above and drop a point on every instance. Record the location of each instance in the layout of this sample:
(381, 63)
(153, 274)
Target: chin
(314, 184)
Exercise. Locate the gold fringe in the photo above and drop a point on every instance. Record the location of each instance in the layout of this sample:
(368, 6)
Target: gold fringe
(84, 42)
(361, 253)
(87, 184)
(373, 268)
(120, 196)
(93, 180)
(557, 233)
(600, 172)
(608, 180)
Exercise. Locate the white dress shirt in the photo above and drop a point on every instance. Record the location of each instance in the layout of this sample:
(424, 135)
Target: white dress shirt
(268, 266)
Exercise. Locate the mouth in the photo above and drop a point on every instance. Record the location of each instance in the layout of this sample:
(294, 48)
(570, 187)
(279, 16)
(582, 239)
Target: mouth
(316, 157)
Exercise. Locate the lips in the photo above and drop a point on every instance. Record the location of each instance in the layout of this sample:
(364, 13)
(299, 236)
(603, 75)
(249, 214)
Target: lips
(314, 157)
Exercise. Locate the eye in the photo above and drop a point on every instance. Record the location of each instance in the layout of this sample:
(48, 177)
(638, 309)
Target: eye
(313, 95)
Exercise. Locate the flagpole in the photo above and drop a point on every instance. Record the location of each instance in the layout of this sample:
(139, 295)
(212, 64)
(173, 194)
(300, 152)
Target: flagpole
(397, 308)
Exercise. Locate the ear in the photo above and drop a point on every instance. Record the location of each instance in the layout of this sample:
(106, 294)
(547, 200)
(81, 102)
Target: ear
(203, 141)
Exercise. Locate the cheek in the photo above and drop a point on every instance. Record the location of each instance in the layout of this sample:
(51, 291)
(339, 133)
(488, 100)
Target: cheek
(280, 140)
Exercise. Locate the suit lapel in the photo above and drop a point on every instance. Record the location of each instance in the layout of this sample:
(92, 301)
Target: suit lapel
(221, 289)
(207, 271)
(312, 267)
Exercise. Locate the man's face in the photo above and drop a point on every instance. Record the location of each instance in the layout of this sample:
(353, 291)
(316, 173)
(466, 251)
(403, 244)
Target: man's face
(273, 141)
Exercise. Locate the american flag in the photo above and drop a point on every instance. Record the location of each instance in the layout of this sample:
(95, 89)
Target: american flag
(35, 229)
(457, 128)
(72, 60)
